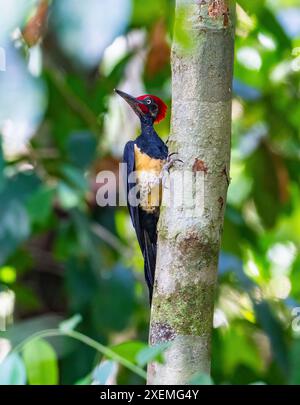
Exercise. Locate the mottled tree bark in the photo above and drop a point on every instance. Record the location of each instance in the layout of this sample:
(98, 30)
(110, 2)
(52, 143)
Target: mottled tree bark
(188, 246)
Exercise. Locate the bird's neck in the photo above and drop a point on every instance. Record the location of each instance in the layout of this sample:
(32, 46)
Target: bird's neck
(147, 126)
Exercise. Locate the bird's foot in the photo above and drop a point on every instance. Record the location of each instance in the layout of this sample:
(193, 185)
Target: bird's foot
(170, 162)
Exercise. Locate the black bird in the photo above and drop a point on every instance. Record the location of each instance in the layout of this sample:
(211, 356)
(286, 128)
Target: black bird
(147, 156)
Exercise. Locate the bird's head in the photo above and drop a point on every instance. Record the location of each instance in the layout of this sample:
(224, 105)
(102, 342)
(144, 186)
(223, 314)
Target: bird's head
(147, 107)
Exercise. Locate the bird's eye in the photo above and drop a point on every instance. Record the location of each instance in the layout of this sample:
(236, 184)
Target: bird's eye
(148, 101)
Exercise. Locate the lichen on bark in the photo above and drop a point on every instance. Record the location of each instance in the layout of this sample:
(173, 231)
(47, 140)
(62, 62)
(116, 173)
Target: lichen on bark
(187, 316)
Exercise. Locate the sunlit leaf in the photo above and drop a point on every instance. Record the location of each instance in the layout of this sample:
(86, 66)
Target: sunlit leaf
(147, 15)
(239, 350)
(40, 362)
(130, 350)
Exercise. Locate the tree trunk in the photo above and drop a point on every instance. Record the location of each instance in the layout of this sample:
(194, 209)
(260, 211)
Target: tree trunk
(188, 246)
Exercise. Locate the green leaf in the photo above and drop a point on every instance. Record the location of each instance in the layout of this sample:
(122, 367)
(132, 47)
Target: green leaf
(71, 323)
(2, 166)
(12, 370)
(201, 379)
(104, 371)
(152, 353)
(75, 177)
(28, 298)
(81, 148)
(153, 11)
(294, 363)
(267, 20)
(15, 224)
(117, 72)
(116, 292)
(238, 349)
(274, 330)
(68, 197)
(39, 205)
(22, 329)
(253, 6)
(8, 274)
(181, 36)
(20, 187)
(40, 362)
(14, 227)
(84, 381)
(266, 191)
(130, 350)
(87, 240)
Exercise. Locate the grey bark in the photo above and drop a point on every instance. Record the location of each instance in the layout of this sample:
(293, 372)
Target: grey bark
(188, 246)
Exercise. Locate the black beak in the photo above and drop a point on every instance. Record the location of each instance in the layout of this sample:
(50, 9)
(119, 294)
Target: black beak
(132, 101)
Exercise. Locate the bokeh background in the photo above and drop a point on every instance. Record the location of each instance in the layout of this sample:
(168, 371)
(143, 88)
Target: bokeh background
(62, 257)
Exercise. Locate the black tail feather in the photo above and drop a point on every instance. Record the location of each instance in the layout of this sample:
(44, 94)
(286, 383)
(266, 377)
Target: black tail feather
(149, 254)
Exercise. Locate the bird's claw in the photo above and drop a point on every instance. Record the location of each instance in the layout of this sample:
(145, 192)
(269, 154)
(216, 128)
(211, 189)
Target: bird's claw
(170, 161)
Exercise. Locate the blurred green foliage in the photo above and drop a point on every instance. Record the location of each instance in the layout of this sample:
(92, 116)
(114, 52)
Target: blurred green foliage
(64, 257)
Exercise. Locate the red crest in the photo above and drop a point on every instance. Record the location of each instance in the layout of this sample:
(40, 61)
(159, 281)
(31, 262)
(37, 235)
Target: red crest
(162, 107)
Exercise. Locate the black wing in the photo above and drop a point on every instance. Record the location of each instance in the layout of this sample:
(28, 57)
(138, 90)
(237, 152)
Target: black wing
(128, 158)
(142, 223)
